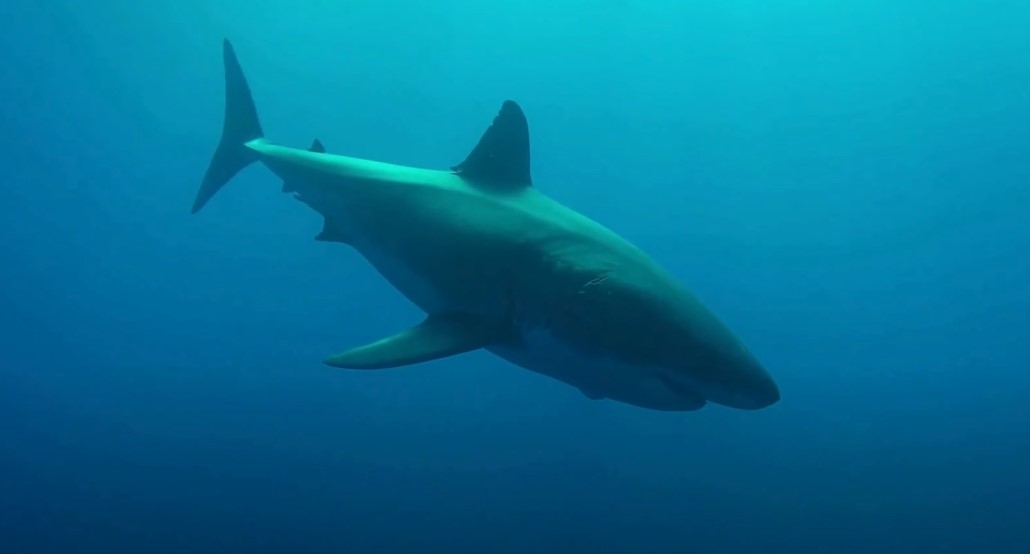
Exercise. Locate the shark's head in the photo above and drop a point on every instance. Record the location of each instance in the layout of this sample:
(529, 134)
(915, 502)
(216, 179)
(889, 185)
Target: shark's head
(694, 353)
(697, 355)
(642, 319)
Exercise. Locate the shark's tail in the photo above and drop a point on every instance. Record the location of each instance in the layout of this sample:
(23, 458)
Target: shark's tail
(241, 126)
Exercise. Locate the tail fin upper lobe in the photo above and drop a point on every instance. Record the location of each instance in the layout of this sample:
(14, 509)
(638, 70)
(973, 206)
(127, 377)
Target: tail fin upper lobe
(241, 125)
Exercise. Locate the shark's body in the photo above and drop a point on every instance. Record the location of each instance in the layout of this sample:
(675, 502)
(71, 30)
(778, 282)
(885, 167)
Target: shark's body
(496, 264)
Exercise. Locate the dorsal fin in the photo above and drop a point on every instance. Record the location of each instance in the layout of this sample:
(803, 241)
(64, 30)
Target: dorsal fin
(501, 158)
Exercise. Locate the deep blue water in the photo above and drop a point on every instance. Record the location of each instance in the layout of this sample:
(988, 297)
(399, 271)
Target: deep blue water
(847, 184)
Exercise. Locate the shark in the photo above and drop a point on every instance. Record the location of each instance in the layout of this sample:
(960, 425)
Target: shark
(497, 265)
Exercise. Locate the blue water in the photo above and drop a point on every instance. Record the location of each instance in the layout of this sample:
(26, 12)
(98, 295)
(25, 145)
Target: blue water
(847, 184)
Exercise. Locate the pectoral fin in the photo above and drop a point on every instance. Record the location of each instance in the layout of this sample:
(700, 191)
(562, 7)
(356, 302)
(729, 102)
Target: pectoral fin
(439, 336)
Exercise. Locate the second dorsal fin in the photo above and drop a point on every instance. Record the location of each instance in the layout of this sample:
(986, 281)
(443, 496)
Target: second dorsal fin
(316, 147)
(501, 158)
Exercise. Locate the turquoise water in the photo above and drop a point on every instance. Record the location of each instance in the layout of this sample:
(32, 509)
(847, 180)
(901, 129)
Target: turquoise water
(845, 184)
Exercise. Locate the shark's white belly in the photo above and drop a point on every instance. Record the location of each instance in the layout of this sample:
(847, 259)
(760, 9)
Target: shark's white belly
(596, 376)
(410, 283)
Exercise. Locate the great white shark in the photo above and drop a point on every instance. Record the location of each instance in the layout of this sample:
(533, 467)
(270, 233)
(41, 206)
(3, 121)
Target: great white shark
(498, 265)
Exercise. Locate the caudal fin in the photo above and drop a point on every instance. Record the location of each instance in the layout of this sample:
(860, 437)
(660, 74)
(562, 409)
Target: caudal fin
(241, 125)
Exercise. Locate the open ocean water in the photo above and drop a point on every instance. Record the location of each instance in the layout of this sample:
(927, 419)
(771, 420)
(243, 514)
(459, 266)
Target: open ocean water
(846, 184)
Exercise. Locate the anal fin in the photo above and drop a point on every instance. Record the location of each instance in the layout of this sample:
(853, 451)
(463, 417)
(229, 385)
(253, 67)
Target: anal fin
(438, 336)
